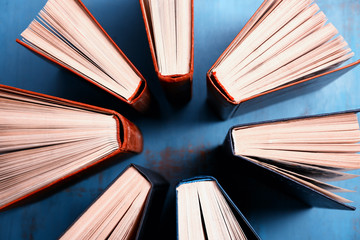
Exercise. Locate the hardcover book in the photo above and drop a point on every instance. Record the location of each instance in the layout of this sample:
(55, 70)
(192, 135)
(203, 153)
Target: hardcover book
(284, 46)
(205, 211)
(301, 155)
(66, 33)
(170, 30)
(128, 209)
(45, 139)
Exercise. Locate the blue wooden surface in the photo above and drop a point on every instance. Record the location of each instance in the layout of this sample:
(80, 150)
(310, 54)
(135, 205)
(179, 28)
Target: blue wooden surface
(180, 143)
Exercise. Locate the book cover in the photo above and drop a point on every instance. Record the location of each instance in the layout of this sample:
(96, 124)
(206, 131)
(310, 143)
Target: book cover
(139, 98)
(307, 78)
(67, 137)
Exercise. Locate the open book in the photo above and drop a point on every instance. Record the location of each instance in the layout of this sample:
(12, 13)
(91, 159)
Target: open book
(126, 210)
(283, 44)
(46, 139)
(308, 151)
(205, 211)
(170, 31)
(66, 33)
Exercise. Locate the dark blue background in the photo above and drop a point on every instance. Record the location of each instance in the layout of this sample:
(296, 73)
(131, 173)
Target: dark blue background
(179, 143)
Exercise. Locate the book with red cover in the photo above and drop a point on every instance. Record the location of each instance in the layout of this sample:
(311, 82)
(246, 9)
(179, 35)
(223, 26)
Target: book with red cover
(226, 106)
(129, 137)
(178, 88)
(141, 98)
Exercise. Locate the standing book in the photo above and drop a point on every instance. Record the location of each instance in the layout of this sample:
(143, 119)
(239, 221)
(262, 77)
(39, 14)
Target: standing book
(284, 46)
(129, 208)
(301, 155)
(45, 139)
(66, 33)
(170, 30)
(205, 211)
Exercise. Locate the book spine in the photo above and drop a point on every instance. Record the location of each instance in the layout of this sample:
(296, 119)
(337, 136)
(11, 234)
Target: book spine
(228, 144)
(218, 101)
(142, 100)
(178, 89)
(130, 136)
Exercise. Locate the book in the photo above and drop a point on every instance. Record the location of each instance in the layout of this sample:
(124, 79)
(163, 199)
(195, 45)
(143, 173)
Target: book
(66, 33)
(301, 154)
(46, 139)
(128, 209)
(170, 30)
(283, 45)
(205, 211)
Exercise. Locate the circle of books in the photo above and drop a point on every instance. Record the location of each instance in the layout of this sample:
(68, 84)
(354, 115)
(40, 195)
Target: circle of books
(284, 45)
